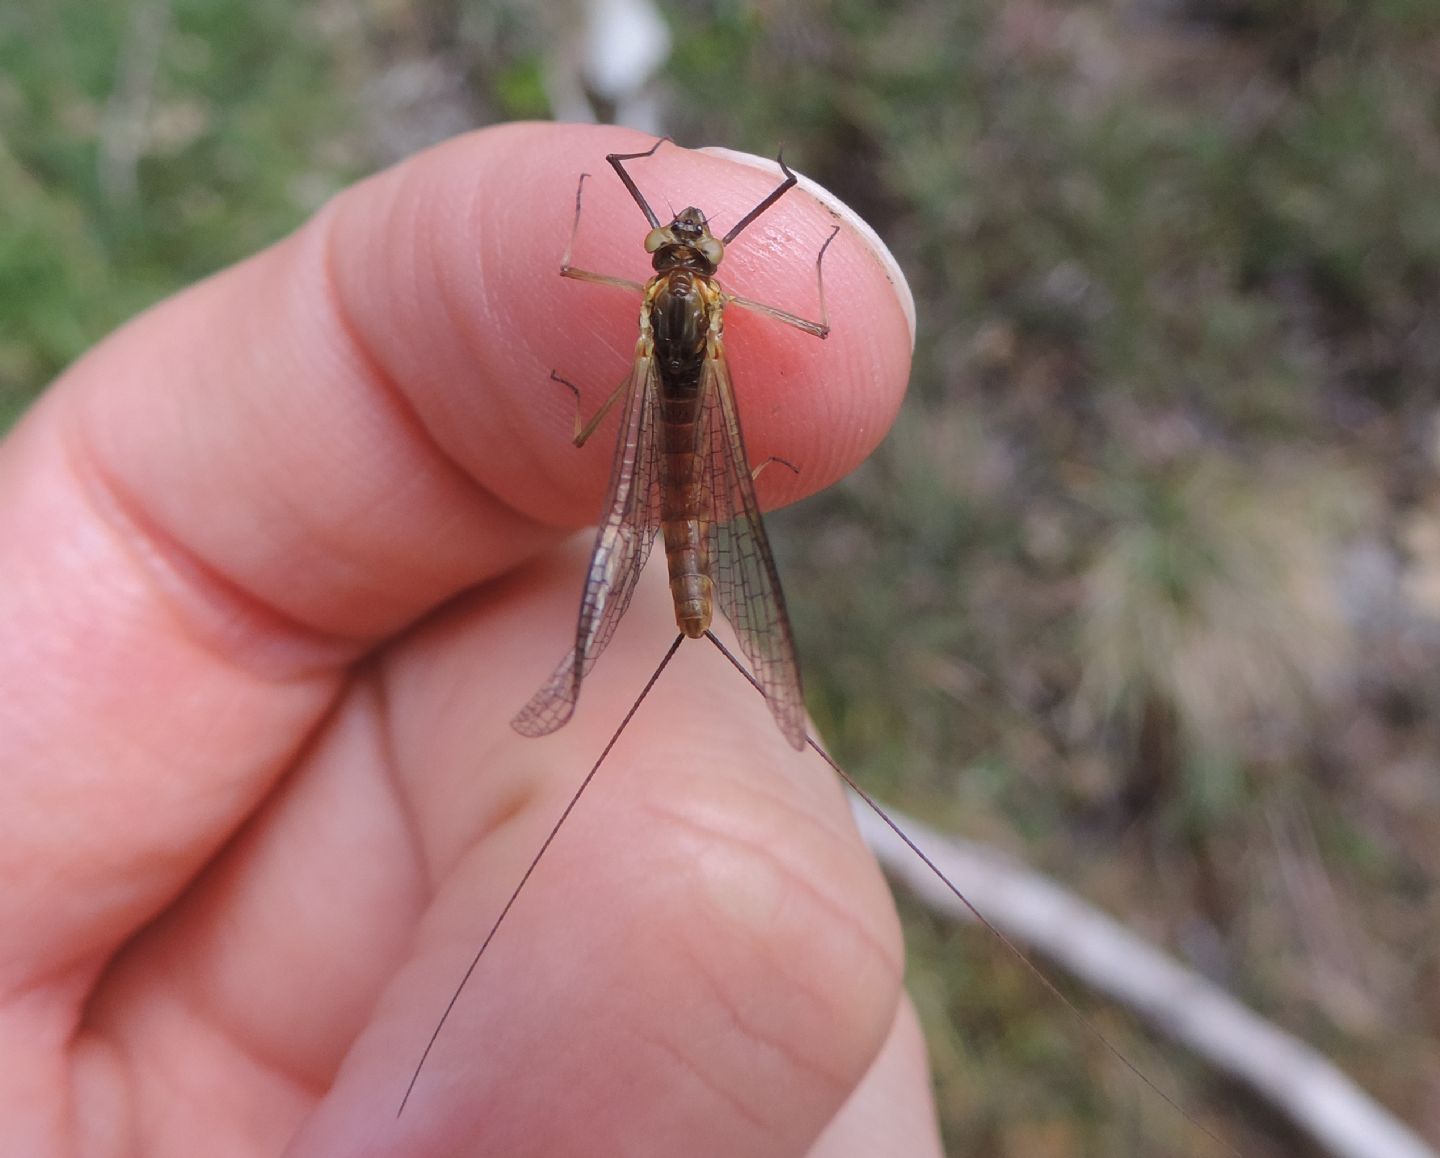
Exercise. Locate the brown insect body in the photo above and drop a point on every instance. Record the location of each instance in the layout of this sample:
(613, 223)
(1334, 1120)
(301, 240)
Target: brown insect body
(681, 472)
(684, 311)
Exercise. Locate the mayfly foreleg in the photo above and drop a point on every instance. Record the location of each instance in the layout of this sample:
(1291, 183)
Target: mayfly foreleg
(568, 270)
(617, 162)
(773, 196)
(821, 328)
(583, 429)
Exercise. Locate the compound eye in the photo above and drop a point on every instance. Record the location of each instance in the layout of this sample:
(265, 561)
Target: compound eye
(711, 249)
(655, 239)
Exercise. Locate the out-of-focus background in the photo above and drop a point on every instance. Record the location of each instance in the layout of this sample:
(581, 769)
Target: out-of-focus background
(1145, 586)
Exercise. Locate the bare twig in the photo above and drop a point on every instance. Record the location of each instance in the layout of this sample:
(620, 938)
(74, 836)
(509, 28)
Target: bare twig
(1319, 1099)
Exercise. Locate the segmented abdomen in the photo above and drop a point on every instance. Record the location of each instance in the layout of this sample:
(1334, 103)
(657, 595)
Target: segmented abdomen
(680, 324)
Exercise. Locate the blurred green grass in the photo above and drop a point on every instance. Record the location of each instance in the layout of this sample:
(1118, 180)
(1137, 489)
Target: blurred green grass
(145, 146)
(1144, 584)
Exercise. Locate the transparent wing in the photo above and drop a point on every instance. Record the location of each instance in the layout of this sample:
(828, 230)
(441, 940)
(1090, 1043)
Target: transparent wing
(747, 586)
(622, 544)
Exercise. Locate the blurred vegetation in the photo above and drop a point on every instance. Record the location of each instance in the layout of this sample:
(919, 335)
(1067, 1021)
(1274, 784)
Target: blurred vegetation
(1146, 584)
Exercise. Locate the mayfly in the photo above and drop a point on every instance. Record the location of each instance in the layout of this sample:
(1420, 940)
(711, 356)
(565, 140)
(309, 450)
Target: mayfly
(681, 472)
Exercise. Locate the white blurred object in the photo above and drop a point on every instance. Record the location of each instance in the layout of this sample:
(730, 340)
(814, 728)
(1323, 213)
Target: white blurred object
(613, 55)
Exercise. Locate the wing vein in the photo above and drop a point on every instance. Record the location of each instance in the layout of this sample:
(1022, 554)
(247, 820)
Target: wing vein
(622, 545)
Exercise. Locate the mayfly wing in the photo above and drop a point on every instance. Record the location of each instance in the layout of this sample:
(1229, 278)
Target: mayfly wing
(747, 586)
(622, 545)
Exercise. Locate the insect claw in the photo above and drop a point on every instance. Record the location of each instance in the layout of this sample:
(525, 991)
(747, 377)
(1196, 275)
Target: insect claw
(755, 471)
(574, 389)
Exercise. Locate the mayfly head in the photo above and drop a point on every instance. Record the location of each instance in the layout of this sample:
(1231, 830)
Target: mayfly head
(686, 242)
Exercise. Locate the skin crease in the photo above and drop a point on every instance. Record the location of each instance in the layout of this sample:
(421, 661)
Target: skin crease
(283, 556)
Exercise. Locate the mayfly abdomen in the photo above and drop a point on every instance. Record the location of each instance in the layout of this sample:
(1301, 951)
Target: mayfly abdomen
(680, 323)
(690, 585)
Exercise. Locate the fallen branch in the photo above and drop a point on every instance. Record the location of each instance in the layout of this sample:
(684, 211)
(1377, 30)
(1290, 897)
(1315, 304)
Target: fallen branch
(1100, 951)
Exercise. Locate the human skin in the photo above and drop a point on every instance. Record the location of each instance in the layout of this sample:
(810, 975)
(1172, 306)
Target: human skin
(282, 558)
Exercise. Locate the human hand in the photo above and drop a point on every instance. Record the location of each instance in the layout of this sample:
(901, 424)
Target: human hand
(280, 564)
